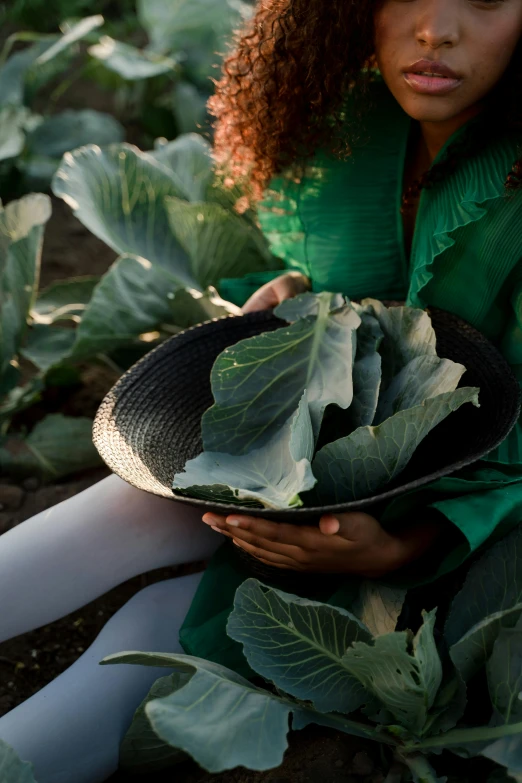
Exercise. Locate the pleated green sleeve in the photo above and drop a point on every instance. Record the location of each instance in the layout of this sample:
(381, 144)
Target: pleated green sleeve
(482, 502)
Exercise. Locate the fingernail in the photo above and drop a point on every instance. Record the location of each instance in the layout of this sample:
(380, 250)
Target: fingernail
(210, 519)
(232, 521)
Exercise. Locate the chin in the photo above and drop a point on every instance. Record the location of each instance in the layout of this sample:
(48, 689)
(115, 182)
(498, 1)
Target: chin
(431, 109)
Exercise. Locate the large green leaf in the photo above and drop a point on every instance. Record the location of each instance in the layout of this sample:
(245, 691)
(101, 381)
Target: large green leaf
(405, 681)
(274, 475)
(129, 62)
(304, 717)
(21, 235)
(422, 771)
(362, 463)
(229, 724)
(200, 29)
(18, 398)
(8, 382)
(169, 23)
(219, 718)
(302, 307)
(190, 307)
(72, 129)
(449, 705)
(378, 606)
(423, 378)
(37, 172)
(14, 72)
(131, 299)
(366, 371)
(64, 300)
(119, 194)
(57, 446)
(258, 383)
(135, 297)
(190, 158)
(142, 751)
(13, 123)
(408, 334)
(73, 34)
(504, 670)
(219, 243)
(26, 71)
(13, 769)
(299, 645)
(47, 346)
(189, 106)
(178, 663)
(473, 649)
(493, 584)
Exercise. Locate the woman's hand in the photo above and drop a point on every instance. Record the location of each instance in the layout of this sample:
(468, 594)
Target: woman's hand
(276, 291)
(348, 543)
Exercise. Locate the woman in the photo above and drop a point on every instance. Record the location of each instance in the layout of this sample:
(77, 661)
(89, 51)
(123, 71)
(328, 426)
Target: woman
(301, 109)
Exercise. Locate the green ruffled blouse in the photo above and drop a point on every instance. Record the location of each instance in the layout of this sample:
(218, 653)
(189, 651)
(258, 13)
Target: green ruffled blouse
(341, 226)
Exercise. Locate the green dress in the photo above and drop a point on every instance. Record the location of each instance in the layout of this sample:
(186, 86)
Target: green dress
(341, 226)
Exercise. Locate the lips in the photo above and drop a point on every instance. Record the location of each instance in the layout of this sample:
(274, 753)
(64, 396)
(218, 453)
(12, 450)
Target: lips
(431, 78)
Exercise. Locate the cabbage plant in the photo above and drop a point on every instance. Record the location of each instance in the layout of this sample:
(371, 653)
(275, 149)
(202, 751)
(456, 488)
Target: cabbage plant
(350, 671)
(379, 364)
(57, 445)
(31, 145)
(176, 233)
(171, 75)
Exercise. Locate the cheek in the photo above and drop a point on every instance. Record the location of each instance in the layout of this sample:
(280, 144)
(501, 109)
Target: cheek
(495, 50)
(391, 30)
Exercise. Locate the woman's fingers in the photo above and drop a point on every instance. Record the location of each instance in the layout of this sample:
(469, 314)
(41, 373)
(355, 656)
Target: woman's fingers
(291, 535)
(253, 539)
(251, 531)
(259, 548)
(269, 558)
(213, 520)
(264, 299)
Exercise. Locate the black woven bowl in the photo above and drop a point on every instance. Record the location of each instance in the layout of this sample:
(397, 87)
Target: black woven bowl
(149, 425)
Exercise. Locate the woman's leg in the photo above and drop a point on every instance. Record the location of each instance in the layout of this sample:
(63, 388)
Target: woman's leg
(71, 730)
(67, 556)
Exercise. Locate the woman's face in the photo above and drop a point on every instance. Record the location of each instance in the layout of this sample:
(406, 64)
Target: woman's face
(440, 58)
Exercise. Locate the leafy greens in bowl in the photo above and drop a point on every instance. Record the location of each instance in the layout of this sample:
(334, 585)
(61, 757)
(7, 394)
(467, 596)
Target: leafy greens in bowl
(373, 369)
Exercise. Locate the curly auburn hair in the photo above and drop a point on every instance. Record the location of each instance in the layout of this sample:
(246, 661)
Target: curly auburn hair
(283, 87)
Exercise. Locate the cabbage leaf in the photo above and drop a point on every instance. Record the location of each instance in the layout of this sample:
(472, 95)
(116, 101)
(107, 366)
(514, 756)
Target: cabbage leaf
(259, 382)
(273, 475)
(359, 465)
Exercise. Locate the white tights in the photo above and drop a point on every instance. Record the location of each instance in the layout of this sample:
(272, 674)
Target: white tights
(64, 558)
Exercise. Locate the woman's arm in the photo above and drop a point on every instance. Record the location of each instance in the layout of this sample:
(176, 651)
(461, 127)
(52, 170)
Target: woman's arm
(348, 543)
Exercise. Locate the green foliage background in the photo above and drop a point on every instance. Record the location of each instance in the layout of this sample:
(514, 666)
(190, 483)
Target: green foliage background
(45, 15)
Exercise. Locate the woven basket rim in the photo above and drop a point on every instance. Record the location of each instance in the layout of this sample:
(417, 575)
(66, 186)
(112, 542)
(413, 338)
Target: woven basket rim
(103, 421)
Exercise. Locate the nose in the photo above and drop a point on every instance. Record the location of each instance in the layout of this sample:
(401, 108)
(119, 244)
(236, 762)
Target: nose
(438, 24)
